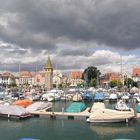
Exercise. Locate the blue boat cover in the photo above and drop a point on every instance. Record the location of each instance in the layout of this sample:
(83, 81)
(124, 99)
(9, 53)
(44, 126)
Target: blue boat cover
(138, 108)
(28, 139)
(87, 96)
(99, 96)
(76, 107)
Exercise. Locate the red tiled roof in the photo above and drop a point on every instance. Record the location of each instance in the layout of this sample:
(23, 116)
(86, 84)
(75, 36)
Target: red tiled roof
(76, 74)
(7, 74)
(25, 74)
(136, 72)
(111, 76)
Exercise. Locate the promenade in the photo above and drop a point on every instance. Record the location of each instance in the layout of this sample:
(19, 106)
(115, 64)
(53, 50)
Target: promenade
(85, 114)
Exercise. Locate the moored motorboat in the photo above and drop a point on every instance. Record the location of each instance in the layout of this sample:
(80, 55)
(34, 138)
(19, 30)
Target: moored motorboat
(87, 96)
(122, 106)
(13, 111)
(99, 96)
(113, 97)
(103, 115)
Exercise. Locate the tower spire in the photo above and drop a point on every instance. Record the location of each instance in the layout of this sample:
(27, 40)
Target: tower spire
(48, 74)
(48, 64)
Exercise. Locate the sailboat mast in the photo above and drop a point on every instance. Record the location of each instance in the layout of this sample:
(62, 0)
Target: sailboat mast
(121, 68)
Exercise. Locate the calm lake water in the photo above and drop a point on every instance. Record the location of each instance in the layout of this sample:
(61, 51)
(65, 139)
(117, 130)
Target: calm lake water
(44, 128)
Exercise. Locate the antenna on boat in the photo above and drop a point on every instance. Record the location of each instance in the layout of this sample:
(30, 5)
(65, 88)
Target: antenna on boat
(19, 69)
(121, 66)
(36, 75)
(5, 67)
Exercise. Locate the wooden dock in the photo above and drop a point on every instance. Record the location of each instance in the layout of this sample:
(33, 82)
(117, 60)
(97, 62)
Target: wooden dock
(85, 114)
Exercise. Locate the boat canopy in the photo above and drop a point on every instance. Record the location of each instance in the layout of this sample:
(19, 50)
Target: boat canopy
(97, 106)
(39, 106)
(23, 103)
(76, 107)
(99, 96)
(13, 110)
(138, 108)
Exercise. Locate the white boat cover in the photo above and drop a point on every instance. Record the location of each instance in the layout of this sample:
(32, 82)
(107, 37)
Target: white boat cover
(97, 106)
(13, 110)
(110, 115)
(113, 96)
(134, 90)
(39, 106)
(77, 97)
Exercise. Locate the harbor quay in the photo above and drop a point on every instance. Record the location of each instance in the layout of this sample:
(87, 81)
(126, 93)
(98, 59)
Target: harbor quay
(85, 114)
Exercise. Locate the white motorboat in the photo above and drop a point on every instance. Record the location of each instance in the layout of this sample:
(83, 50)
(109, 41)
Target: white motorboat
(50, 97)
(113, 97)
(125, 97)
(13, 111)
(103, 115)
(122, 106)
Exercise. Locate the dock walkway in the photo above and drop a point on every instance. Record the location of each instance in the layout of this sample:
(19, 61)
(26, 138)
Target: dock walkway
(84, 114)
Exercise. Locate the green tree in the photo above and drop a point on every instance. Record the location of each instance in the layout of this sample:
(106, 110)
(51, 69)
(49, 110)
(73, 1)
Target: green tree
(128, 82)
(115, 83)
(135, 84)
(93, 82)
(91, 73)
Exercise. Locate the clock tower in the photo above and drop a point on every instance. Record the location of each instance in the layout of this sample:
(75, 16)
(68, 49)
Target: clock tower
(48, 74)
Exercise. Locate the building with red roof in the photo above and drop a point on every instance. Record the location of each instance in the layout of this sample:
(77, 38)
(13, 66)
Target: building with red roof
(25, 78)
(7, 78)
(38, 78)
(107, 77)
(136, 74)
(75, 78)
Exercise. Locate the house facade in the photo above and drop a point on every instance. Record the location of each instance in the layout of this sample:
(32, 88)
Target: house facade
(75, 78)
(25, 78)
(107, 77)
(7, 78)
(136, 75)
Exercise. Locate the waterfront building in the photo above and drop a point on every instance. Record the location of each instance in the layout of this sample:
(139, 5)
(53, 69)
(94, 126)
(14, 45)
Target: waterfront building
(7, 79)
(107, 77)
(65, 81)
(25, 78)
(38, 79)
(48, 74)
(136, 75)
(75, 78)
(57, 78)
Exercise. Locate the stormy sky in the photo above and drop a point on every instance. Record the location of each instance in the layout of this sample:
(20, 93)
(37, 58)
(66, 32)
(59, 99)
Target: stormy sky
(75, 33)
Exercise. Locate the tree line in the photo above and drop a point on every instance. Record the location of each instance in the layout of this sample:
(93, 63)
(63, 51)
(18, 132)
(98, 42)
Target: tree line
(92, 78)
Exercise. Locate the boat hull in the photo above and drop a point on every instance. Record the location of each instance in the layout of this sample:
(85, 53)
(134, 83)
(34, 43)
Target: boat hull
(107, 121)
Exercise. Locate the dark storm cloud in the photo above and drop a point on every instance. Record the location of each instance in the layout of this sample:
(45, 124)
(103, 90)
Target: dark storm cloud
(74, 52)
(114, 23)
(35, 26)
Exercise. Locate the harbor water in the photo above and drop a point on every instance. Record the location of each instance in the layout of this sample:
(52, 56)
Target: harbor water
(44, 128)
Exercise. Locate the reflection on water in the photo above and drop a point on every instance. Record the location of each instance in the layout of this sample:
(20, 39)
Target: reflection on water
(111, 130)
(7, 123)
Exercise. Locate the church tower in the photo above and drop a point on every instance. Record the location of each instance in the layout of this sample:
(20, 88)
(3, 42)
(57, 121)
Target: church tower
(48, 74)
